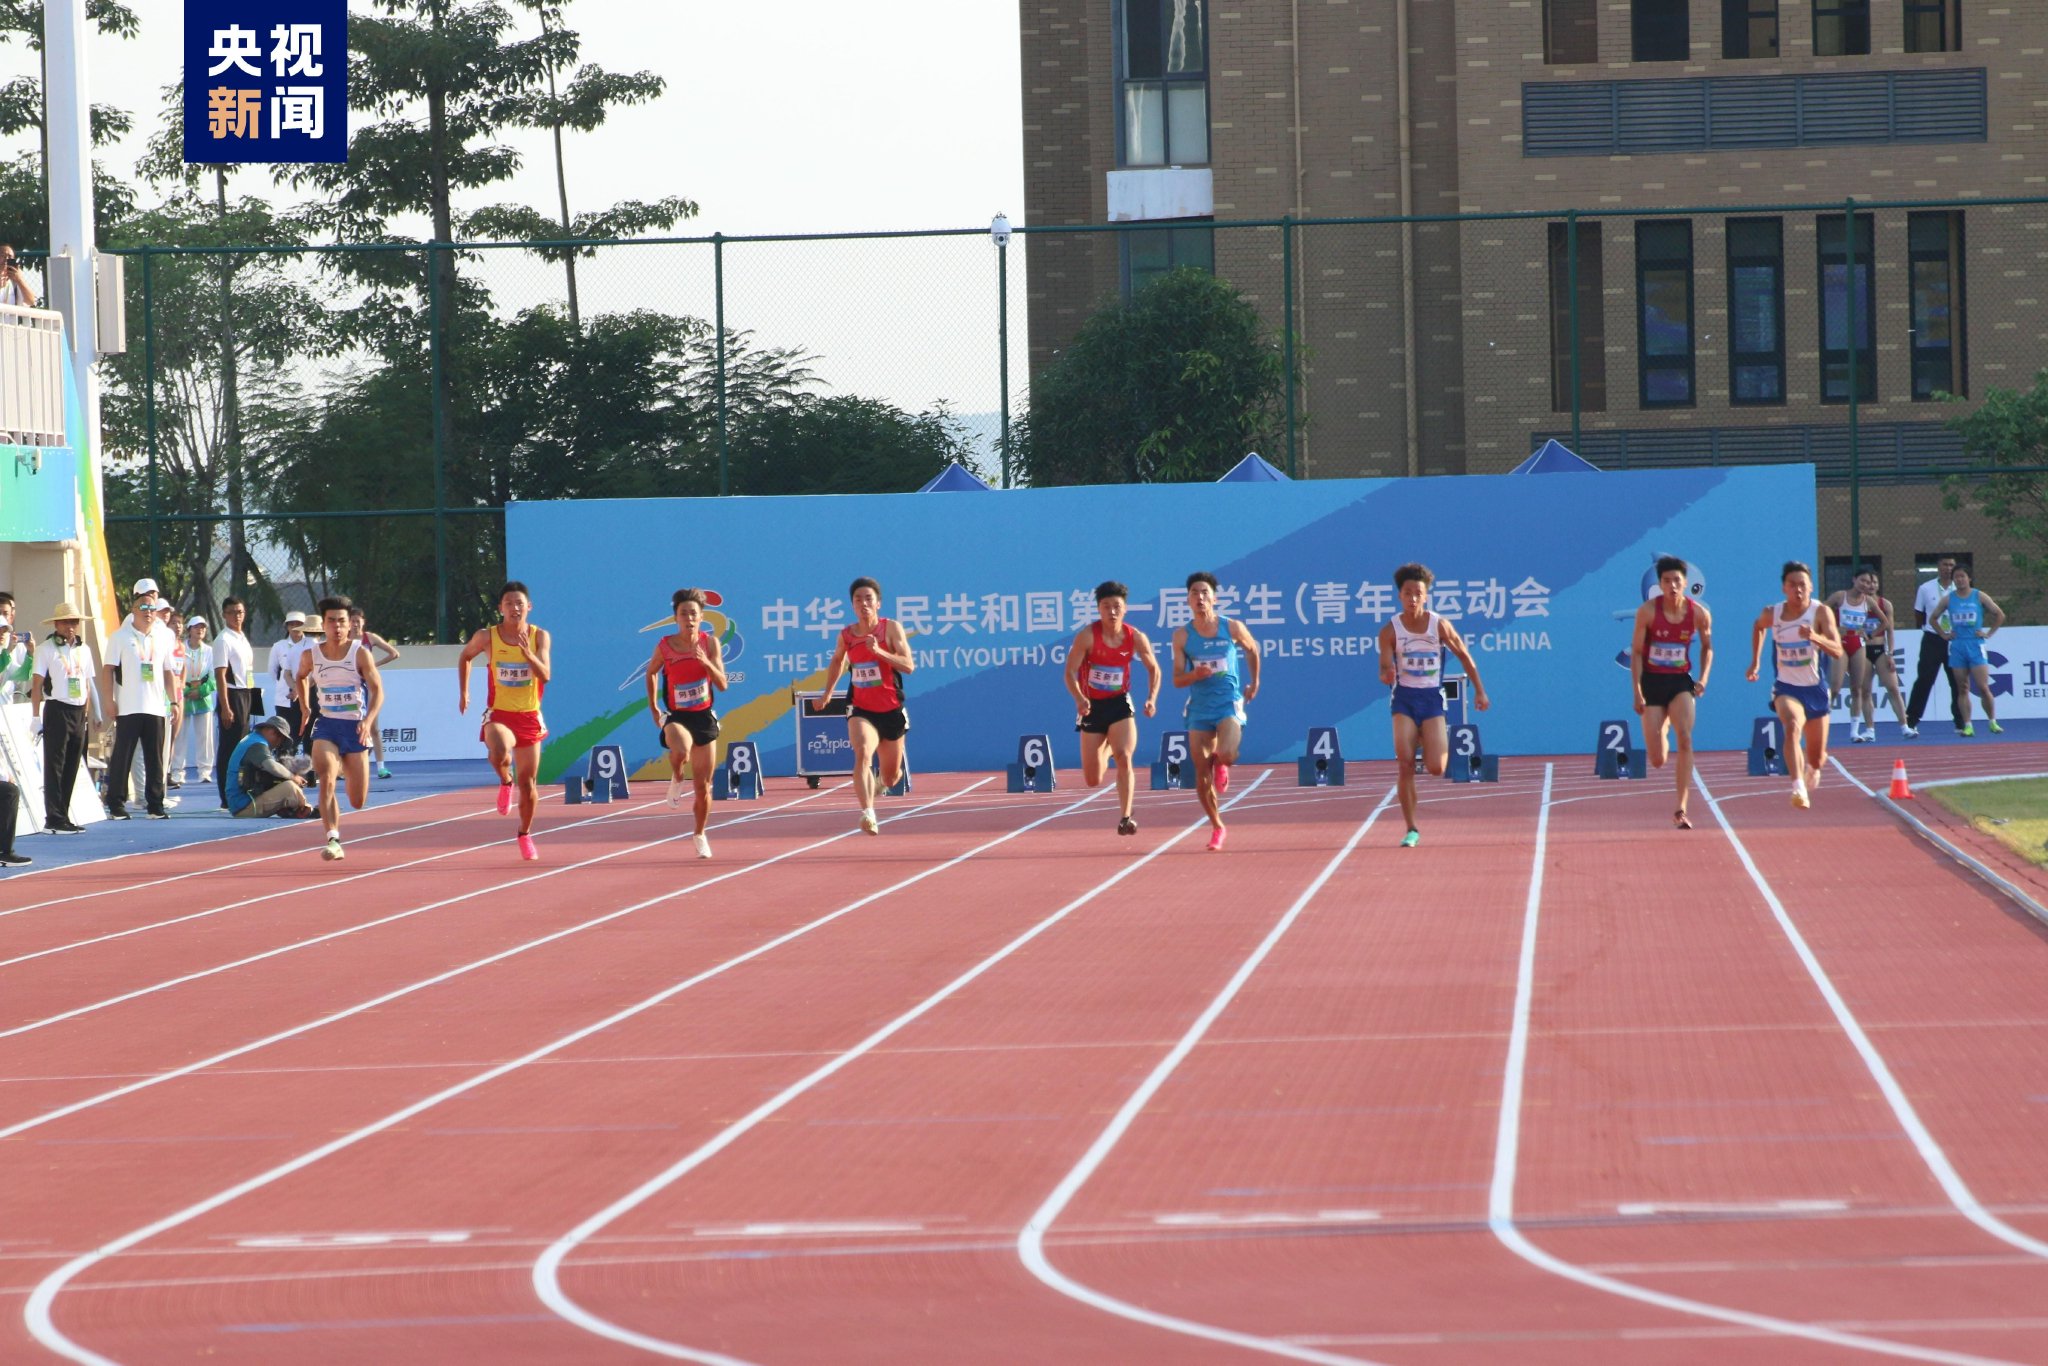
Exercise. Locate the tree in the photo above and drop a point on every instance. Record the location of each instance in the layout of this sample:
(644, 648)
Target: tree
(842, 444)
(2009, 434)
(1176, 384)
(25, 186)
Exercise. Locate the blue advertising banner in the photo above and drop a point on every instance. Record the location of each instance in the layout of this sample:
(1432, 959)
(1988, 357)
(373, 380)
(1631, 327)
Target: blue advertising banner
(1542, 574)
(266, 81)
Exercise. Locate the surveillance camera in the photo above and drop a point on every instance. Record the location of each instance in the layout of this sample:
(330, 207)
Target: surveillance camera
(999, 230)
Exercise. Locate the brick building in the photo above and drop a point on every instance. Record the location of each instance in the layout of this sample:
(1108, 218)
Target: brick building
(1719, 335)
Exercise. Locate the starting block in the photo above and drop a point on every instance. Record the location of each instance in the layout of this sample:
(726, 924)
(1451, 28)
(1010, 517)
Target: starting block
(572, 791)
(1766, 759)
(1173, 770)
(902, 784)
(608, 765)
(1469, 762)
(1033, 771)
(740, 774)
(1616, 738)
(1323, 765)
(601, 791)
(1622, 763)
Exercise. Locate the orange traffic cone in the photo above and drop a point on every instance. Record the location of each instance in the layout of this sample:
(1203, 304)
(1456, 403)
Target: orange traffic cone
(1900, 791)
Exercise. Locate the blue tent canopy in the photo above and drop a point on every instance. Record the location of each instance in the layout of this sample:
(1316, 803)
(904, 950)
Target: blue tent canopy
(1552, 458)
(955, 478)
(1253, 469)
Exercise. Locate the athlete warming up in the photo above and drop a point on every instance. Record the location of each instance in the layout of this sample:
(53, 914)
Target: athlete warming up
(1800, 631)
(1412, 649)
(1660, 657)
(685, 670)
(1099, 677)
(877, 651)
(519, 666)
(341, 676)
(1217, 661)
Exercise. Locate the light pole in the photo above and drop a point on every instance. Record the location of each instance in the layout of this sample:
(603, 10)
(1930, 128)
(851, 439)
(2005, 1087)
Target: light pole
(999, 233)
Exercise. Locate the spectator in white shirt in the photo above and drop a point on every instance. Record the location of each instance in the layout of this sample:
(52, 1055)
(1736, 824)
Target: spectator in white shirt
(1933, 650)
(14, 286)
(138, 659)
(65, 682)
(284, 676)
(195, 741)
(237, 700)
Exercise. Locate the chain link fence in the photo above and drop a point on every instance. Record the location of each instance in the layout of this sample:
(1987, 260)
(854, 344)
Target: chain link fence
(293, 421)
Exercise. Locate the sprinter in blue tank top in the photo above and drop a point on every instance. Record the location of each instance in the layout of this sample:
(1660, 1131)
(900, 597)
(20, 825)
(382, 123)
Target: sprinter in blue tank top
(1217, 661)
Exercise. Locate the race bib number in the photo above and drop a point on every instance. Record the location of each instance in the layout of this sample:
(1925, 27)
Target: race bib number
(689, 696)
(1420, 665)
(1667, 654)
(1105, 678)
(515, 674)
(1800, 656)
(1854, 618)
(867, 674)
(335, 701)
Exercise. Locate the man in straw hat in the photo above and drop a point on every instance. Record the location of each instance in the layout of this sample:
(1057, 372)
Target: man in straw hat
(65, 682)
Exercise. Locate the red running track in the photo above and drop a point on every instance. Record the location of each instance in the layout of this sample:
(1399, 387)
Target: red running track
(1002, 1087)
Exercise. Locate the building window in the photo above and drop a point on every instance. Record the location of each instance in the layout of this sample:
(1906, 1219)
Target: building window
(1571, 32)
(1592, 322)
(1934, 25)
(1150, 252)
(1749, 28)
(1660, 30)
(1841, 28)
(1842, 293)
(1934, 246)
(1664, 337)
(1756, 310)
(1165, 83)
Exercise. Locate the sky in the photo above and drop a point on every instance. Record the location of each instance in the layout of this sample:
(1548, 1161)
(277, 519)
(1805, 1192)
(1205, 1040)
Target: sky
(796, 116)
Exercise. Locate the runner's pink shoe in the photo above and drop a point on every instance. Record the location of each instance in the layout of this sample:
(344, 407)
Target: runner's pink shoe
(1216, 839)
(1222, 772)
(526, 849)
(504, 799)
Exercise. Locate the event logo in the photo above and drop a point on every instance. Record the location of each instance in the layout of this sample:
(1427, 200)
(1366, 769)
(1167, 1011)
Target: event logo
(825, 746)
(2001, 683)
(717, 624)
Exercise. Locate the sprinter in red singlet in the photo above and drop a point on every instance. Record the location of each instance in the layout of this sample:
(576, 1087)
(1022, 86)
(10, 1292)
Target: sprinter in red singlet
(876, 649)
(1099, 678)
(1660, 658)
(684, 671)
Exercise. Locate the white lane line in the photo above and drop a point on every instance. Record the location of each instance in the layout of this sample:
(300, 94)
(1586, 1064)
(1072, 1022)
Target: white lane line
(1031, 1239)
(37, 1313)
(237, 831)
(2019, 895)
(169, 982)
(241, 1050)
(1642, 1208)
(270, 895)
(547, 1282)
(1963, 782)
(1931, 1153)
(1500, 1216)
(817, 1229)
(1207, 1219)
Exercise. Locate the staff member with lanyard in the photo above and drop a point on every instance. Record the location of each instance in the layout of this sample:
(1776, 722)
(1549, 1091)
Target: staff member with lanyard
(58, 694)
(138, 660)
(236, 699)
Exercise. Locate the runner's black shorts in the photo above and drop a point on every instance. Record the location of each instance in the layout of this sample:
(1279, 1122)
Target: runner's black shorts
(1660, 689)
(889, 725)
(702, 726)
(1104, 712)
